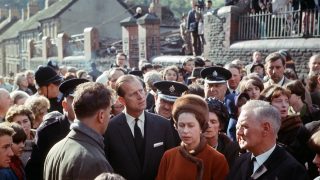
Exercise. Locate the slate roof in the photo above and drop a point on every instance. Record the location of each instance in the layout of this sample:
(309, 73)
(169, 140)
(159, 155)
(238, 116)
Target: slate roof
(34, 22)
(56, 9)
(4, 25)
(12, 31)
(129, 9)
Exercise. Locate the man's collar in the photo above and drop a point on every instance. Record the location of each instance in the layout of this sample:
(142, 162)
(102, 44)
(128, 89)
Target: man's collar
(280, 83)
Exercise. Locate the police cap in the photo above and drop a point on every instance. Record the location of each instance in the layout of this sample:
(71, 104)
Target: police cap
(169, 90)
(215, 75)
(67, 87)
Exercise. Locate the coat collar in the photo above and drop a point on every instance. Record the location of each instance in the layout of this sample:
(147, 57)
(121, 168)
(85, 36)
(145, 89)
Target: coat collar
(273, 159)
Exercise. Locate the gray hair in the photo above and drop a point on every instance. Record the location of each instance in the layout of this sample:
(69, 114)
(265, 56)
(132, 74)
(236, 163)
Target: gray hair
(17, 95)
(231, 65)
(151, 77)
(18, 79)
(263, 111)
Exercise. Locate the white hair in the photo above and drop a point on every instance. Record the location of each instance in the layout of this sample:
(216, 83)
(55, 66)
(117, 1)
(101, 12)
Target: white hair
(263, 111)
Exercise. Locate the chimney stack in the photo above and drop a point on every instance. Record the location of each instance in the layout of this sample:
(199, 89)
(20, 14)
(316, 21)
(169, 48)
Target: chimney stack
(23, 14)
(32, 9)
(14, 13)
(157, 8)
(3, 13)
(49, 3)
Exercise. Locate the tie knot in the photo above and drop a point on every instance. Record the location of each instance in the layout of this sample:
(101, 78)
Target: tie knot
(136, 120)
(253, 159)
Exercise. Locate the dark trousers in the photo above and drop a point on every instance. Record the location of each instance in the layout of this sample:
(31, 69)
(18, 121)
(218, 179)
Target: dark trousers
(196, 47)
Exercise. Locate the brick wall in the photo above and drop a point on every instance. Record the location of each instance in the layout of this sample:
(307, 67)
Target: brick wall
(222, 45)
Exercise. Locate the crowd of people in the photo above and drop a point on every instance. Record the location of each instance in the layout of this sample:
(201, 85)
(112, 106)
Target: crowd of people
(198, 121)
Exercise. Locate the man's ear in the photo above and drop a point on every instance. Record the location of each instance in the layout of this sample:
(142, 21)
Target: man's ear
(155, 97)
(64, 104)
(122, 100)
(101, 116)
(266, 126)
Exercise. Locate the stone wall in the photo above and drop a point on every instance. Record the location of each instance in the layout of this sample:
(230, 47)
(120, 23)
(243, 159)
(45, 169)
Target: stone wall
(222, 46)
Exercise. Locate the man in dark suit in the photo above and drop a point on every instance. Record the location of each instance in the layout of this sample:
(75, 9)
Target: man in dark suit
(257, 128)
(52, 129)
(135, 139)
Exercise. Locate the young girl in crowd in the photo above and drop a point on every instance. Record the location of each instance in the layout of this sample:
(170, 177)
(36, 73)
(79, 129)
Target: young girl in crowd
(18, 139)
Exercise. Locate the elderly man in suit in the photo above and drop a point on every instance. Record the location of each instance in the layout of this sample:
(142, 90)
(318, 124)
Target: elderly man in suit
(257, 128)
(135, 139)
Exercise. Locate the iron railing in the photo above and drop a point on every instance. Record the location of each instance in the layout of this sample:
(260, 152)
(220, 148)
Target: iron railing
(75, 46)
(287, 24)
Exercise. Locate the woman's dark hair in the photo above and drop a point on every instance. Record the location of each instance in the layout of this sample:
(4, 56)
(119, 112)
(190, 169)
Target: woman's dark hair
(216, 106)
(290, 74)
(296, 87)
(312, 83)
(19, 135)
(195, 89)
(274, 91)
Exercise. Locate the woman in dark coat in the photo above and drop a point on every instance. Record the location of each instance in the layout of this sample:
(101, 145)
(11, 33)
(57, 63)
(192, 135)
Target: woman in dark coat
(218, 115)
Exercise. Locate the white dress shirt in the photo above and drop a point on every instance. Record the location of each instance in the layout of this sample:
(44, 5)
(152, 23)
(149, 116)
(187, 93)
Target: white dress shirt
(262, 158)
(131, 121)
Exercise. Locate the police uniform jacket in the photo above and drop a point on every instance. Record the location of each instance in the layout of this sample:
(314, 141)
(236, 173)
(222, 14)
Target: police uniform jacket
(49, 133)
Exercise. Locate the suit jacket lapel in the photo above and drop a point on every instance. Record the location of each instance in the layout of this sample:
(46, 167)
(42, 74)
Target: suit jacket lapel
(271, 161)
(259, 172)
(245, 167)
(128, 140)
(149, 137)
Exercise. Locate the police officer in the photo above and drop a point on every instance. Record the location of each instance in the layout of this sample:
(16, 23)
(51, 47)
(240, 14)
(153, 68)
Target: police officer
(167, 93)
(215, 85)
(48, 82)
(52, 130)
